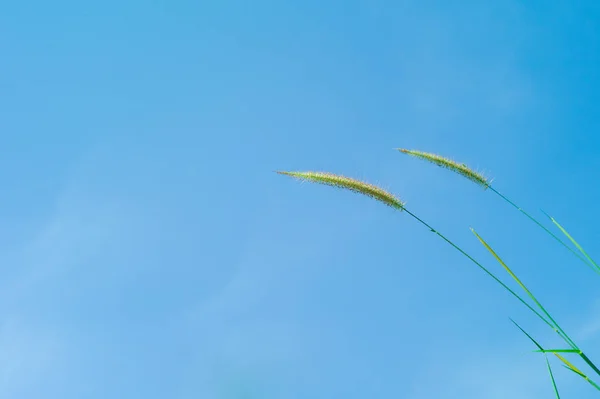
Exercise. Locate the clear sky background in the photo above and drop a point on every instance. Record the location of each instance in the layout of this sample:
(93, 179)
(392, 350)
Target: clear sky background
(147, 249)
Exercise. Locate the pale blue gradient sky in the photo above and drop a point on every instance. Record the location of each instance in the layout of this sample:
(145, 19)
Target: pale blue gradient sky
(149, 251)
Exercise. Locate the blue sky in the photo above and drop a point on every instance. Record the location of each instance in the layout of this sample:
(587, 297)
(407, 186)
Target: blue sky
(149, 251)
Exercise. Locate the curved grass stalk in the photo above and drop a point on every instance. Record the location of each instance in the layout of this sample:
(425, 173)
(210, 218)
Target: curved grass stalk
(391, 200)
(478, 178)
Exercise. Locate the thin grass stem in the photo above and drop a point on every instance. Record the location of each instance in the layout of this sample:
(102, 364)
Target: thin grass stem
(487, 272)
(539, 224)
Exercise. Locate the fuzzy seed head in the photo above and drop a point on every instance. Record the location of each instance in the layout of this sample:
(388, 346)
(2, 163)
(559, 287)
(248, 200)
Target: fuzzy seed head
(347, 183)
(454, 166)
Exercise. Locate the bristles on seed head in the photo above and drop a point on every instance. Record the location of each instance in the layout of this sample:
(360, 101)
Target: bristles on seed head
(347, 183)
(454, 166)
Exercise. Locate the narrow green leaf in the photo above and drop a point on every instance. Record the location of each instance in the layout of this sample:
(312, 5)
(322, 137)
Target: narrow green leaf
(559, 351)
(593, 265)
(552, 377)
(556, 327)
(574, 369)
(570, 365)
(528, 336)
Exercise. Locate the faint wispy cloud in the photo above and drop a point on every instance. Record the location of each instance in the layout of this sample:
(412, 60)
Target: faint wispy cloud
(32, 359)
(37, 351)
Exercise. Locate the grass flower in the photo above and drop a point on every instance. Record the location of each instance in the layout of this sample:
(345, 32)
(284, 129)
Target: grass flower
(347, 183)
(454, 166)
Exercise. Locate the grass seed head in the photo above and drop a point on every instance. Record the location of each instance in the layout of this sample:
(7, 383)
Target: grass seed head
(454, 166)
(349, 184)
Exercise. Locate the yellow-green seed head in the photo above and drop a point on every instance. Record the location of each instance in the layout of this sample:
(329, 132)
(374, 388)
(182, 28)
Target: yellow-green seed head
(454, 166)
(350, 184)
